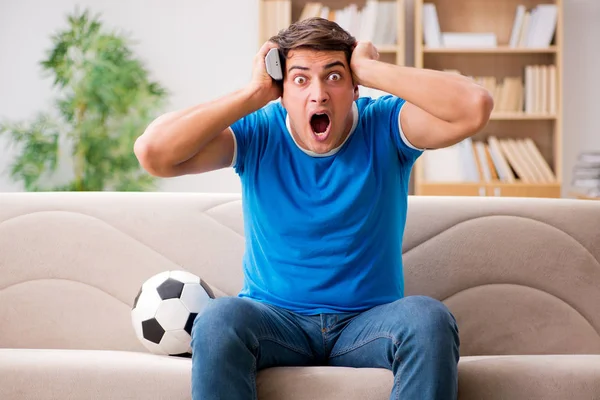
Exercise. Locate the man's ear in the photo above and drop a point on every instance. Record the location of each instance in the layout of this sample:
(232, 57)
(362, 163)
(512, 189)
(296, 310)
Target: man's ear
(356, 92)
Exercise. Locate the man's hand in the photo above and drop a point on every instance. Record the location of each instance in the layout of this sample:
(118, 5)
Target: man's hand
(441, 108)
(267, 88)
(363, 52)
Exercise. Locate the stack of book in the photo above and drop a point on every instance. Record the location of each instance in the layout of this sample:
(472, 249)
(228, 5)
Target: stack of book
(375, 21)
(536, 93)
(493, 160)
(586, 174)
(435, 38)
(532, 28)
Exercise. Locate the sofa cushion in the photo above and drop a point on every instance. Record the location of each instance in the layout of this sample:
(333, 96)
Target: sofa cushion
(324, 383)
(521, 275)
(532, 377)
(91, 374)
(71, 374)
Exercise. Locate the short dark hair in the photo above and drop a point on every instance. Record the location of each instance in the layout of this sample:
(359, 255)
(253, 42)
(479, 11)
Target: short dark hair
(316, 34)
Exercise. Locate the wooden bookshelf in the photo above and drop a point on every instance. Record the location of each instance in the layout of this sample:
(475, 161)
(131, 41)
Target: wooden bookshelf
(500, 60)
(278, 14)
(497, 50)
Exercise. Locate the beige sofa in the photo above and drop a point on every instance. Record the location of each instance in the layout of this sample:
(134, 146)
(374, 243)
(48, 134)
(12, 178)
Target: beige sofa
(522, 277)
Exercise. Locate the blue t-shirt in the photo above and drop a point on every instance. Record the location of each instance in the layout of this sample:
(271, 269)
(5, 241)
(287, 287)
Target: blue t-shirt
(324, 231)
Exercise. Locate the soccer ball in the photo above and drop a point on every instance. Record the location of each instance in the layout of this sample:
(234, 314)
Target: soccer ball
(164, 310)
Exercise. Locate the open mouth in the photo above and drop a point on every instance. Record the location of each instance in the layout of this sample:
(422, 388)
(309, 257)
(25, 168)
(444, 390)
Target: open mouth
(320, 124)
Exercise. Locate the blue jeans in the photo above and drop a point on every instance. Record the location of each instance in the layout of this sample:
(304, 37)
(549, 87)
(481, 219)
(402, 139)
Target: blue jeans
(415, 337)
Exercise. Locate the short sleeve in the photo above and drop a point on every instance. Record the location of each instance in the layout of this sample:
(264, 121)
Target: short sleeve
(388, 108)
(245, 131)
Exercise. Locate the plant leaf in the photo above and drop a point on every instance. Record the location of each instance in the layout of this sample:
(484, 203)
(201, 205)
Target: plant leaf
(105, 101)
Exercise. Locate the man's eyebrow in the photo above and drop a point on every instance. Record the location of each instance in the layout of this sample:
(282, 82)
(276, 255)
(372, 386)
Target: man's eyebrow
(328, 66)
(335, 64)
(298, 67)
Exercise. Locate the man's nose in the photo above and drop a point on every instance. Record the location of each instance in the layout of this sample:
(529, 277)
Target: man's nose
(318, 93)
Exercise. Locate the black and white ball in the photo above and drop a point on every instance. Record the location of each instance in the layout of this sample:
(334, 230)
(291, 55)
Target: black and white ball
(164, 311)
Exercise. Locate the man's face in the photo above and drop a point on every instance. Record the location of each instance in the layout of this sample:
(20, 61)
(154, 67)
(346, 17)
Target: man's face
(318, 93)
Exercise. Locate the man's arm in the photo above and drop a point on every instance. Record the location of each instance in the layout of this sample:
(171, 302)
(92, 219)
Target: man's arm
(441, 108)
(197, 139)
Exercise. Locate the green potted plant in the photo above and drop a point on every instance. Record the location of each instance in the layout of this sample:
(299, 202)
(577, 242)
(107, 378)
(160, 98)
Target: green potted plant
(105, 100)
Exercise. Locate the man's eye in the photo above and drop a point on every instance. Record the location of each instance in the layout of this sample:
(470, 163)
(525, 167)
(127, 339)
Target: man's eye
(335, 77)
(299, 80)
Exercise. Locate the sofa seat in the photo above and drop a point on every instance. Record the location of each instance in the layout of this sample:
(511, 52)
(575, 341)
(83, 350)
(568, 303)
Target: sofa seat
(531, 377)
(101, 374)
(28, 374)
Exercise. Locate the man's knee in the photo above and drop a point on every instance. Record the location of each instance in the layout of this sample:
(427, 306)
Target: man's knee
(222, 318)
(430, 317)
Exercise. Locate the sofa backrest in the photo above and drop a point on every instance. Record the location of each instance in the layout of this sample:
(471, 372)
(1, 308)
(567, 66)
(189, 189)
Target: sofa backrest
(521, 276)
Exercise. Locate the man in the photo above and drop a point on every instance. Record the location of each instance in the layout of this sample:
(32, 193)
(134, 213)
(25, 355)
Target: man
(324, 185)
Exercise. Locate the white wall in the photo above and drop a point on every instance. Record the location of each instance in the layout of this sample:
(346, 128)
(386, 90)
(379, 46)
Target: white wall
(581, 102)
(189, 50)
(184, 42)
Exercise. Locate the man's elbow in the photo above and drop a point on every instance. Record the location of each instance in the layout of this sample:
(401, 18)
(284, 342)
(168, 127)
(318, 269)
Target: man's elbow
(149, 158)
(482, 104)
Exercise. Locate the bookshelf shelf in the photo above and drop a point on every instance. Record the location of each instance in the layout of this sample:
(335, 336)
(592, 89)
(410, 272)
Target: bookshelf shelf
(492, 188)
(514, 49)
(521, 116)
(491, 50)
